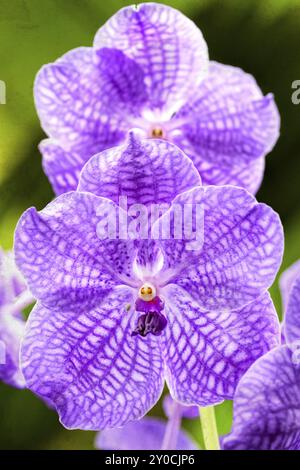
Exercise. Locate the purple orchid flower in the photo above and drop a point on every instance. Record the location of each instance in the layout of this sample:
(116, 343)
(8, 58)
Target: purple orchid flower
(12, 325)
(86, 349)
(286, 281)
(151, 433)
(267, 399)
(144, 434)
(149, 69)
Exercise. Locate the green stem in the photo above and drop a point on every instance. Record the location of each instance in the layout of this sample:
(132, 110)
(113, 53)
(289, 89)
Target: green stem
(209, 428)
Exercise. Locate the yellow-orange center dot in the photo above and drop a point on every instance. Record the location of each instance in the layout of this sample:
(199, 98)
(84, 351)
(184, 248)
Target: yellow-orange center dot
(157, 132)
(147, 292)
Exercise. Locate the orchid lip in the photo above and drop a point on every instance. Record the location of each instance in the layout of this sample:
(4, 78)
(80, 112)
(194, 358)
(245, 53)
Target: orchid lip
(146, 306)
(151, 322)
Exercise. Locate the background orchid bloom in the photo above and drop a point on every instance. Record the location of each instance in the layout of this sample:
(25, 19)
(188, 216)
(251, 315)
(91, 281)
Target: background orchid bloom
(149, 69)
(144, 434)
(115, 318)
(12, 324)
(267, 399)
(150, 433)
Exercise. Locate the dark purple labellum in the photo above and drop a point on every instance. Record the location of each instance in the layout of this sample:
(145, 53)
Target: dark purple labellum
(154, 305)
(151, 322)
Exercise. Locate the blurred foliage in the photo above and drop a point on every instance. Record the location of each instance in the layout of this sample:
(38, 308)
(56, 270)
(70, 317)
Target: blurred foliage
(262, 37)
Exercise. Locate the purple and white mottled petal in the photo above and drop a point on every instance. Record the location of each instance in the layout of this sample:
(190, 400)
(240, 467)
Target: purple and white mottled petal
(248, 176)
(89, 366)
(230, 122)
(149, 259)
(66, 254)
(62, 167)
(286, 281)
(292, 314)
(11, 334)
(71, 105)
(122, 80)
(267, 405)
(189, 412)
(12, 325)
(166, 44)
(145, 434)
(12, 282)
(145, 171)
(234, 254)
(207, 352)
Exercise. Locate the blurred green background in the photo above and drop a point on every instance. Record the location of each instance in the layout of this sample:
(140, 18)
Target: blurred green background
(262, 37)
